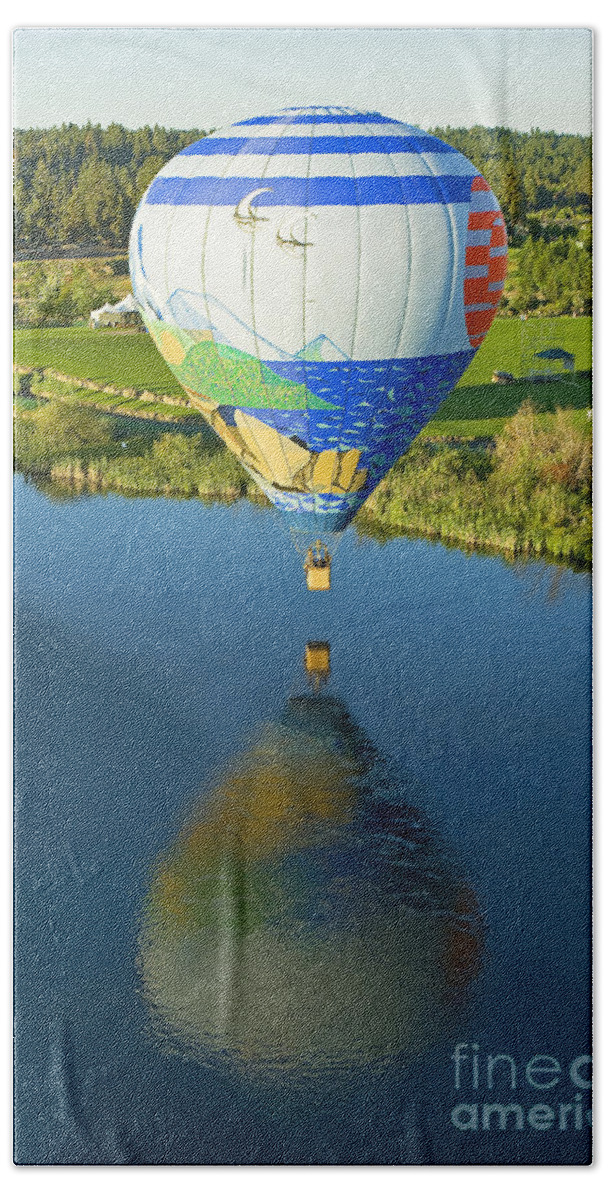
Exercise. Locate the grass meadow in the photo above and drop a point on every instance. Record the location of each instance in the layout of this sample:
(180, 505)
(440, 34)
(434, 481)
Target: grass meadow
(476, 407)
(125, 359)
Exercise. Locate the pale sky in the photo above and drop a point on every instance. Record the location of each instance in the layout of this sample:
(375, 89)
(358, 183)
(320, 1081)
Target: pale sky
(204, 78)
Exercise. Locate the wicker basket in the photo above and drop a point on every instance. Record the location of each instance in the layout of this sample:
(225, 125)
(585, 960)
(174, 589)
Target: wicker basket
(318, 578)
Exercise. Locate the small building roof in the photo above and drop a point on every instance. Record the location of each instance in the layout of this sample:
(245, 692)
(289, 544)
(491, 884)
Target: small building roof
(555, 353)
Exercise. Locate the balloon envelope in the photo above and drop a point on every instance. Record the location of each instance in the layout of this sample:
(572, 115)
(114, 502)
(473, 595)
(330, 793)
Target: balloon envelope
(318, 280)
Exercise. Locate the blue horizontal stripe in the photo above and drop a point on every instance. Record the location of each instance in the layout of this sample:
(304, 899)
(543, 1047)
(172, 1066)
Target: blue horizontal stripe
(321, 119)
(324, 190)
(319, 145)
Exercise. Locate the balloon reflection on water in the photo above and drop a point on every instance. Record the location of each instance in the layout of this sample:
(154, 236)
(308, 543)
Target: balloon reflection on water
(308, 916)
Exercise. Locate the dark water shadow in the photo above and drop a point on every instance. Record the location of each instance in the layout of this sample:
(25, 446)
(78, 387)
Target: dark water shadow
(308, 917)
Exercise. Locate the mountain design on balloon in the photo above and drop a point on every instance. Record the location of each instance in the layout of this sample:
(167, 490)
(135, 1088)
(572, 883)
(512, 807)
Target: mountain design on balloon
(322, 349)
(318, 368)
(300, 423)
(198, 311)
(301, 426)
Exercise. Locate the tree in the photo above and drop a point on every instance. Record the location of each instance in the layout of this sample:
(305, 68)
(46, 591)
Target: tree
(146, 173)
(55, 428)
(512, 199)
(43, 201)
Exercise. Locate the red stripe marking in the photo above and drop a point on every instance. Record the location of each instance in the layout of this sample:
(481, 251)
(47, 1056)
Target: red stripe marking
(479, 322)
(476, 256)
(499, 236)
(498, 270)
(482, 220)
(476, 292)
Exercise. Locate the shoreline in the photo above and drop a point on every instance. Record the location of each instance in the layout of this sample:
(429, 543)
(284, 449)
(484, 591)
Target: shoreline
(76, 482)
(451, 486)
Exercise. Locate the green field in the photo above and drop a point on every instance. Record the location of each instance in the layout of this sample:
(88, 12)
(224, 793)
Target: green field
(132, 360)
(476, 408)
(501, 350)
(124, 359)
(481, 412)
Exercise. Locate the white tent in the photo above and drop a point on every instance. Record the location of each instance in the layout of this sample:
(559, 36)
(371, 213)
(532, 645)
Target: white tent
(128, 305)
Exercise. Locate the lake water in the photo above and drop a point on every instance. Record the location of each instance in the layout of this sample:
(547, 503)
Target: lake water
(256, 917)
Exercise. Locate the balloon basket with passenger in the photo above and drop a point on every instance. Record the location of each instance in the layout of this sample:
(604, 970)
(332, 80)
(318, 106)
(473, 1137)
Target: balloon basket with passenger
(317, 558)
(317, 567)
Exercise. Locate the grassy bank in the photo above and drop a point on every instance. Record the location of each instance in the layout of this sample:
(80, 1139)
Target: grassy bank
(528, 492)
(71, 447)
(33, 386)
(525, 492)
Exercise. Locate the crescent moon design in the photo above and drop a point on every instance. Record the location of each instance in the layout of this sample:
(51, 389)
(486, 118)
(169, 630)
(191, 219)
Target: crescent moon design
(295, 240)
(244, 214)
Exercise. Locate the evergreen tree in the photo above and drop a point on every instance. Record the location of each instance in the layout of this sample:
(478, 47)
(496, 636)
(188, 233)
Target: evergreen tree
(510, 188)
(82, 184)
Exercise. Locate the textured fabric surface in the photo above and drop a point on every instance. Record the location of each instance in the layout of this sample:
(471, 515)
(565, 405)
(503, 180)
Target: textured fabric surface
(302, 877)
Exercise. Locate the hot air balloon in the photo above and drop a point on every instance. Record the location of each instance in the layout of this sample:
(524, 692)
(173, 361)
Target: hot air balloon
(318, 280)
(307, 916)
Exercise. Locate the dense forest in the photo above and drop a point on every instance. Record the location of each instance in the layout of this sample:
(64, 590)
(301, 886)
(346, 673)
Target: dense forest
(79, 186)
(530, 172)
(82, 184)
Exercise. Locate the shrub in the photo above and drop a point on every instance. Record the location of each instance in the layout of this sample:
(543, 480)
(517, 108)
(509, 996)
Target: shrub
(55, 429)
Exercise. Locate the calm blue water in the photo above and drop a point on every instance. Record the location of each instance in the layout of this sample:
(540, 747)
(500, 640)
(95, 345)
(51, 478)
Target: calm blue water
(253, 928)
